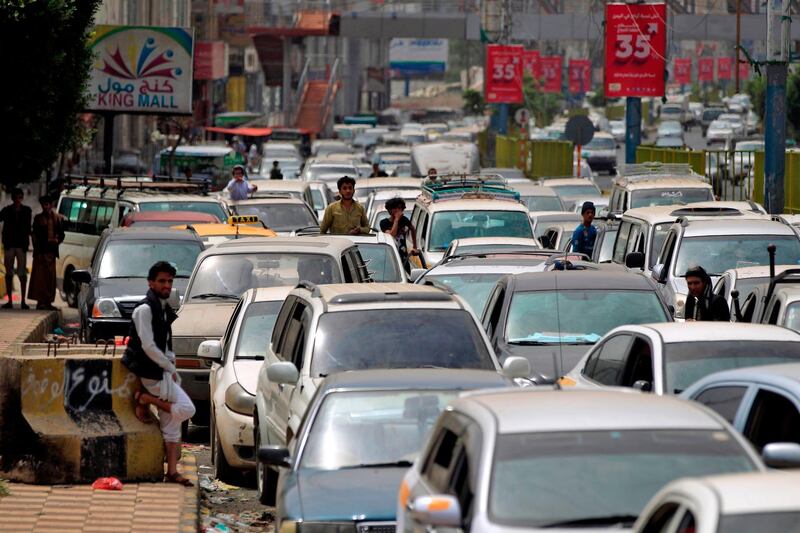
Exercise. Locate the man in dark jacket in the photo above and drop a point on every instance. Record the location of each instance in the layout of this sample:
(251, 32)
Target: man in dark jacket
(701, 302)
(149, 355)
(16, 219)
(47, 231)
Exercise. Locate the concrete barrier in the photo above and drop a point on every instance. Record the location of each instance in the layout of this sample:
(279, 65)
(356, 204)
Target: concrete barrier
(69, 418)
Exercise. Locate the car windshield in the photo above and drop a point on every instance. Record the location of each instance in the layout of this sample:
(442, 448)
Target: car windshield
(720, 253)
(542, 203)
(774, 522)
(489, 248)
(381, 262)
(688, 362)
(126, 258)
(257, 324)
(601, 143)
(359, 429)
(712, 114)
(653, 197)
(585, 478)
(226, 276)
(449, 225)
(280, 217)
(398, 338)
(576, 190)
(474, 288)
(211, 208)
(577, 316)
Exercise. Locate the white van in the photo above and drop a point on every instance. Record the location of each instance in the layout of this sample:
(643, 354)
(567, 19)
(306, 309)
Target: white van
(445, 157)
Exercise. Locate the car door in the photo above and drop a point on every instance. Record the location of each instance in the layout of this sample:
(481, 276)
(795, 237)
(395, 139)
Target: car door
(621, 242)
(726, 399)
(216, 374)
(292, 350)
(772, 416)
(269, 390)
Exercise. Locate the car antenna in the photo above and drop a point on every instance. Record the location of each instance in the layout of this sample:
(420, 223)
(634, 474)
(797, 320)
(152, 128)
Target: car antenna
(557, 367)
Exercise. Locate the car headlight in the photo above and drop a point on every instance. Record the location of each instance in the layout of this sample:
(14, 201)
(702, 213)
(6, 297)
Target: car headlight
(680, 305)
(105, 308)
(239, 400)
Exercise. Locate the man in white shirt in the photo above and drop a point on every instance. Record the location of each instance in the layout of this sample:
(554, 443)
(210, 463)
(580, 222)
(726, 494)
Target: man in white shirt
(239, 188)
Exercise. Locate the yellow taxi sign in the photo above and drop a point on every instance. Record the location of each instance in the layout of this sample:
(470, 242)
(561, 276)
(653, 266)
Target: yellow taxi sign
(244, 219)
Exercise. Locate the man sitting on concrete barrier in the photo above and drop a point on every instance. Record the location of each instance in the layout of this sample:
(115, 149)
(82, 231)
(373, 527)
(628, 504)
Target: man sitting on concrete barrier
(149, 355)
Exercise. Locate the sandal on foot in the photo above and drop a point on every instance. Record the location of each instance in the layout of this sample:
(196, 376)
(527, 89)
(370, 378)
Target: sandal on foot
(179, 479)
(8, 305)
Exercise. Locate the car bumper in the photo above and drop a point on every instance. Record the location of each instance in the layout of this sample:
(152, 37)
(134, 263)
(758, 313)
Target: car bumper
(195, 382)
(236, 437)
(107, 328)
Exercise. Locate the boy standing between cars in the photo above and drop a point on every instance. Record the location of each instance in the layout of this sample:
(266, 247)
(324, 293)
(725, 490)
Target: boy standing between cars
(345, 216)
(585, 234)
(239, 188)
(16, 219)
(48, 232)
(701, 303)
(149, 355)
(377, 172)
(399, 227)
(275, 172)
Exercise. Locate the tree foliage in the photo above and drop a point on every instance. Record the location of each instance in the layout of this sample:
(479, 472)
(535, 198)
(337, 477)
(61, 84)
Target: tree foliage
(543, 106)
(473, 102)
(46, 60)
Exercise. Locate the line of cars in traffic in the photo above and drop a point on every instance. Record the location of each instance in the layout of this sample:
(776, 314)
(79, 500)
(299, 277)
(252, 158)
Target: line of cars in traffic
(350, 398)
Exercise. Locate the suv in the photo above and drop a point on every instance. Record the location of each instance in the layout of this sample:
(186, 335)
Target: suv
(601, 152)
(718, 245)
(322, 330)
(459, 207)
(654, 184)
(225, 271)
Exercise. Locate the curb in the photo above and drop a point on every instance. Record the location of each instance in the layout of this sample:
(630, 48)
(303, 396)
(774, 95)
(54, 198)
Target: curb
(190, 518)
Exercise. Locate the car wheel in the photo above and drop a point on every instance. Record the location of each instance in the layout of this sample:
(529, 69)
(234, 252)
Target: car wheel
(221, 469)
(266, 478)
(70, 290)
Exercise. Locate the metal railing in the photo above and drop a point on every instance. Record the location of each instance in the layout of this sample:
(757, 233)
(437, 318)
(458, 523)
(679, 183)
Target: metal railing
(330, 94)
(299, 90)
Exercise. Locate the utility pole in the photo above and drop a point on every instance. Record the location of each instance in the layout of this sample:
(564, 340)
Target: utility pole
(778, 21)
(738, 39)
(505, 38)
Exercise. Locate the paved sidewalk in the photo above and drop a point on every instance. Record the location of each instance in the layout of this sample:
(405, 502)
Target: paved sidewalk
(18, 326)
(139, 507)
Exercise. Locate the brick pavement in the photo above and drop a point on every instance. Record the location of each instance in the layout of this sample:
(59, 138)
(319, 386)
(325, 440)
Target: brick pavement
(25, 326)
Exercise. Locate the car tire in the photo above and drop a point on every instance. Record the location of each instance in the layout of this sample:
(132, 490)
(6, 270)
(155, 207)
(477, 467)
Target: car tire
(221, 469)
(266, 478)
(70, 290)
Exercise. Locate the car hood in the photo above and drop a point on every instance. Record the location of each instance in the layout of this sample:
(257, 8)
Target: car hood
(247, 373)
(541, 357)
(328, 495)
(203, 320)
(130, 289)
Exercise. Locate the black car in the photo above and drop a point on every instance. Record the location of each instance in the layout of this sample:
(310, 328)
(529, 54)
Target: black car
(117, 279)
(552, 318)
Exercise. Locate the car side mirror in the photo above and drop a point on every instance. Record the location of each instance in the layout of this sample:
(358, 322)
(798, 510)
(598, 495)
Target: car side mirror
(440, 510)
(635, 260)
(274, 456)
(781, 455)
(81, 276)
(643, 385)
(516, 367)
(210, 350)
(174, 299)
(659, 274)
(415, 274)
(283, 372)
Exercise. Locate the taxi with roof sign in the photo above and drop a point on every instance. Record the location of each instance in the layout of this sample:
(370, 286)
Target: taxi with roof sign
(238, 226)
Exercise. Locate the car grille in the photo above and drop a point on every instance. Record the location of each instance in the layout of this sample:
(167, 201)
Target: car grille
(186, 346)
(126, 308)
(376, 527)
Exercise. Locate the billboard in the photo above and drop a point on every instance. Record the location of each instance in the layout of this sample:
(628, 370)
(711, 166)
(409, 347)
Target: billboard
(503, 74)
(141, 69)
(724, 68)
(682, 70)
(705, 69)
(636, 37)
(210, 60)
(551, 74)
(418, 56)
(531, 64)
(580, 76)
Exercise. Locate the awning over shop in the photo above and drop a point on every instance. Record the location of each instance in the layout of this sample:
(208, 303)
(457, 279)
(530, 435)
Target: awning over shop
(244, 132)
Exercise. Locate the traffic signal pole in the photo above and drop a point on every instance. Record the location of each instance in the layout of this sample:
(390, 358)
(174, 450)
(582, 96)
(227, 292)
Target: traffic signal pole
(778, 20)
(633, 127)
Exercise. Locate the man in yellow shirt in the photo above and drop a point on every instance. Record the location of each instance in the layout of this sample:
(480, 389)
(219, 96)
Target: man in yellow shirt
(345, 216)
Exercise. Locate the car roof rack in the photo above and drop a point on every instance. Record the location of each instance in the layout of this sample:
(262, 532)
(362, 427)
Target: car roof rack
(467, 187)
(633, 173)
(122, 184)
(380, 297)
(685, 212)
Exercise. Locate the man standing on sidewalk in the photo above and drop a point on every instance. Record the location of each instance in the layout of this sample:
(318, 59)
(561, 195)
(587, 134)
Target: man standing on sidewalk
(149, 355)
(16, 219)
(48, 233)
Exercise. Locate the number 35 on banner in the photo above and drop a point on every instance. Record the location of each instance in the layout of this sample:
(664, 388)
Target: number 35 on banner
(635, 49)
(503, 83)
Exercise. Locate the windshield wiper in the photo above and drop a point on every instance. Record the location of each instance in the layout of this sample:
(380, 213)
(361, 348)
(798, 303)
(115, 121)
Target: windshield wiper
(389, 464)
(532, 343)
(578, 343)
(207, 295)
(625, 519)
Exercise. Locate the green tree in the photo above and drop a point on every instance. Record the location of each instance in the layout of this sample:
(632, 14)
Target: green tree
(47, 60)
(757, 89)
(543, 106)
(473, 102)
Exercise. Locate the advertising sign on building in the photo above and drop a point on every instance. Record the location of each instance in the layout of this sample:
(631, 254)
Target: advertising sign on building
(531, 64)
(141, 69)
(551, 74)
(209, 60)
(635, 49)
(418, 56)
(503, 74)
(705, 69)
(580, 76)
(724, 68)
(682, 67)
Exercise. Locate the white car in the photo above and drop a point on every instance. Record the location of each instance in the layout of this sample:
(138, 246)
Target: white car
(618, 130)
(758, 502)
(736, 123)
(720, 131)
(236, 358)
